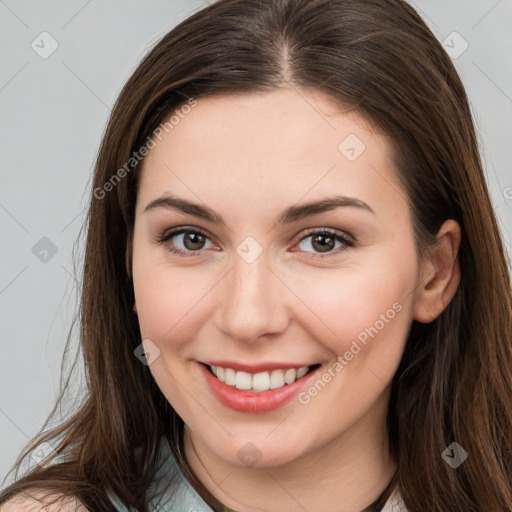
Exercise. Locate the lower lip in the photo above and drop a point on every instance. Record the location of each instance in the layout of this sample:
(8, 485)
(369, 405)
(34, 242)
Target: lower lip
(250, 401)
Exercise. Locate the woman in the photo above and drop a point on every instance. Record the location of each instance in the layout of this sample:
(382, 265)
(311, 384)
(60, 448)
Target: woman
(295, 291)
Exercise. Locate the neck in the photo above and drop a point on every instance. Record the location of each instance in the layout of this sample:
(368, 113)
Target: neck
(347, 473)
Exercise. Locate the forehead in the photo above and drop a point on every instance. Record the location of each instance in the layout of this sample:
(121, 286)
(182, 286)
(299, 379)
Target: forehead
(278, 146)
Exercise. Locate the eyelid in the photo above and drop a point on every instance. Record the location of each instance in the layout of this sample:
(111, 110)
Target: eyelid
(331, 231)
(178, 230)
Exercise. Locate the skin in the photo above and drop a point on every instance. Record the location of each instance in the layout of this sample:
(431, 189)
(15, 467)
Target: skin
(248, 157)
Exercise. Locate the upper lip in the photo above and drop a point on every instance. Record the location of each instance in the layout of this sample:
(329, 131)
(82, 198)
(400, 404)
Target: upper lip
(256, 368)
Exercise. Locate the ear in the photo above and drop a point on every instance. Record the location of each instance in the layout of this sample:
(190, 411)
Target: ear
(440, 274)
(135, 307)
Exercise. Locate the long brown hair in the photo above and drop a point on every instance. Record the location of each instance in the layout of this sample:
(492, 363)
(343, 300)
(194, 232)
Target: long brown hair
(454, 382)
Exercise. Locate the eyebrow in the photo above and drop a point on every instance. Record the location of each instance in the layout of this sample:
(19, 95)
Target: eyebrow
(291, 214)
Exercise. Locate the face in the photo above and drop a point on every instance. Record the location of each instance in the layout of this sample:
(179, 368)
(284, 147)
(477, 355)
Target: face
(258, 281)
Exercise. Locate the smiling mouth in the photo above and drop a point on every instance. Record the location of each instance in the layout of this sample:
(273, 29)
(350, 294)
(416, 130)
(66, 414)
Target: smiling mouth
(262, 381)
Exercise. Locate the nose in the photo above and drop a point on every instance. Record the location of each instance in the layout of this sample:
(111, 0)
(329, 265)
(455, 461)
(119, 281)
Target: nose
(252, 301)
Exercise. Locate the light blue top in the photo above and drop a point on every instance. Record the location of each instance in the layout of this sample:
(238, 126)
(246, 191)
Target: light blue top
(170, 491)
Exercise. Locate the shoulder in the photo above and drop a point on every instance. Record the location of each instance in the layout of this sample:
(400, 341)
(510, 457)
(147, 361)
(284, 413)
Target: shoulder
(41, 501)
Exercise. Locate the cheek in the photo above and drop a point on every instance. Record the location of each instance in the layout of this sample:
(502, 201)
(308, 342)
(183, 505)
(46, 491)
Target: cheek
(170, 301)
(170, 311)
(364, 302)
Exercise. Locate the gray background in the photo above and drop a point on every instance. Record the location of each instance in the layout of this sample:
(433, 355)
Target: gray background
(53, 112)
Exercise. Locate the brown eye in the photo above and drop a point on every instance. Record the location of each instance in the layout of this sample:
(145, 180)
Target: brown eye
(185, 242)
(323, 243)
(193, 241)
(326, 242)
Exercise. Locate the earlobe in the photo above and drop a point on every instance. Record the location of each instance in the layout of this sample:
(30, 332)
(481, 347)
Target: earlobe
(440, 274)
(135, 307)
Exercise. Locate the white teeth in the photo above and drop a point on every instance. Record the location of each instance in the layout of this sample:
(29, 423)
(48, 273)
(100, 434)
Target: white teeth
(229, 375)
(302, 371)
(290, 375)
(262, 381)
(276, 379)
(243, 380)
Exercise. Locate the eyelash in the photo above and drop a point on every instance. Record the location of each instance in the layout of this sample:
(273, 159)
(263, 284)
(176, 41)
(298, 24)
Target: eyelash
(347, 241)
